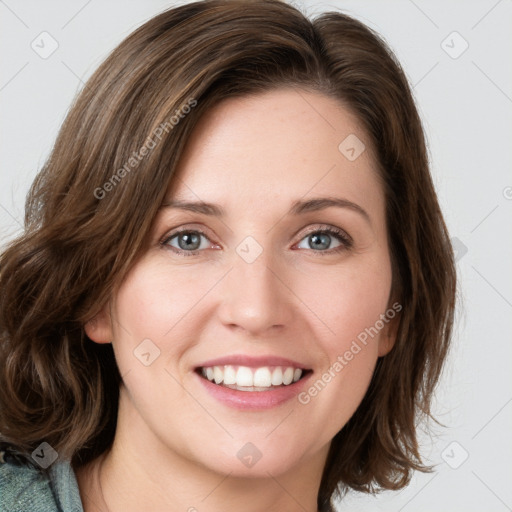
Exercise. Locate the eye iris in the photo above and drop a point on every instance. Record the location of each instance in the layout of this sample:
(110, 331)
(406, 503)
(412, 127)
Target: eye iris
(323, 239)
(190, 240)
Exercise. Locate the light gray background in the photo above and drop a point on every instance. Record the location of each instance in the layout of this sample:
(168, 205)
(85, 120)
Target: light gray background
(466, 106)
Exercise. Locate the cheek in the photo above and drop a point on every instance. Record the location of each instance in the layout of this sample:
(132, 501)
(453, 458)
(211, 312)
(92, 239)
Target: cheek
(351, 350)
(153, 300)
(348, 299)
(151, 333)
(157, 303)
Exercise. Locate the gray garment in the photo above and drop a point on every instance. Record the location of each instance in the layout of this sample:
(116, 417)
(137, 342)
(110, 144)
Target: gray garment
(25, 488)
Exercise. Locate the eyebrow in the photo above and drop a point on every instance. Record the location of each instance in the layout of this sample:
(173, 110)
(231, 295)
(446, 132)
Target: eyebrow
(298, 207)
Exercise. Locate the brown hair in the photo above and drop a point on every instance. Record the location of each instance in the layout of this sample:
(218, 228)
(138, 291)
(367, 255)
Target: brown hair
(82, 236)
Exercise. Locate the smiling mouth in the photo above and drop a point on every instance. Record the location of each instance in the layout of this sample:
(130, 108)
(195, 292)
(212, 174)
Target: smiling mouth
(244, 378)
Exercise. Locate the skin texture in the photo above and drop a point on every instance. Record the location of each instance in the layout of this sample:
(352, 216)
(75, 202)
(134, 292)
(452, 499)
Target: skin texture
(175, 443)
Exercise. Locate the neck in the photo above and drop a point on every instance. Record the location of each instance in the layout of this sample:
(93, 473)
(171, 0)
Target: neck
(140, 473)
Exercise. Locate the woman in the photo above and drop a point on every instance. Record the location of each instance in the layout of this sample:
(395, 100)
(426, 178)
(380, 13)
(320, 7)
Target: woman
(235, 286)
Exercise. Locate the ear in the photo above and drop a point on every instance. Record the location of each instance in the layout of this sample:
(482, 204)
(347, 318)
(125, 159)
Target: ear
(389, 333)
(99, 327)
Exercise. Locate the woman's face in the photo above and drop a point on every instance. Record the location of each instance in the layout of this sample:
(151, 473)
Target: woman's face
(262, 287)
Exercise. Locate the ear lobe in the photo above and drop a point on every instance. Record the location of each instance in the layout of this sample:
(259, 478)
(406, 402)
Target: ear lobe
(98, 328)
(388, 336)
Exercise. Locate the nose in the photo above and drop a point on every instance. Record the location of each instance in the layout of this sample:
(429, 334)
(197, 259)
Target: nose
(255, 295)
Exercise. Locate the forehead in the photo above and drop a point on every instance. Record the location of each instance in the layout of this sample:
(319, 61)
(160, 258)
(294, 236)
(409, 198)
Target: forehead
(283, 144)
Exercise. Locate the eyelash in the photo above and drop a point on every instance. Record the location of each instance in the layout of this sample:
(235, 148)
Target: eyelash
(346, 241)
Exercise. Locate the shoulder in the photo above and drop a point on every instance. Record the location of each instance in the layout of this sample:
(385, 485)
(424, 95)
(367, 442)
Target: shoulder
(25, 487)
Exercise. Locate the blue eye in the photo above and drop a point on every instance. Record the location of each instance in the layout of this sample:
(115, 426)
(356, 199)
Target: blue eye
(189, 241)
(322, 238)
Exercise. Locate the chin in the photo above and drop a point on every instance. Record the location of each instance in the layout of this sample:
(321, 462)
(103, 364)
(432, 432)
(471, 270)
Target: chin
(247, 460)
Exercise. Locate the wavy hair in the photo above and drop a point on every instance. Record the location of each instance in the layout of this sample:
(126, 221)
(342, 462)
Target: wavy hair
(84, 228)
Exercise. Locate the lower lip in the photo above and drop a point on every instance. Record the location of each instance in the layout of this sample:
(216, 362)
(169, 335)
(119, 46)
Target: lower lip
(254, 400)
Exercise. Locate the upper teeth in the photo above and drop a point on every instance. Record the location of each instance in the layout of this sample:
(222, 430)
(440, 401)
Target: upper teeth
(258, 377)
